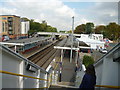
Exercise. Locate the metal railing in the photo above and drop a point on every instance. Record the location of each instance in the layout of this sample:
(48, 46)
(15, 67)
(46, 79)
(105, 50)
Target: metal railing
(10, 73)
(108, 86)
(50, 80)
(15, 74)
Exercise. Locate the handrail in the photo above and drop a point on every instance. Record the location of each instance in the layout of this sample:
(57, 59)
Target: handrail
(56, 64)
(50, 80)
(5, 72)
(10, 73)
(108, 86)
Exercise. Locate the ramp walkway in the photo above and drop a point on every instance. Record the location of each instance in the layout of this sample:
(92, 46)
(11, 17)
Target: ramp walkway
(68, 74)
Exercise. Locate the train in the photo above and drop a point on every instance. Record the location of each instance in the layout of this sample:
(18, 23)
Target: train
(28, 48)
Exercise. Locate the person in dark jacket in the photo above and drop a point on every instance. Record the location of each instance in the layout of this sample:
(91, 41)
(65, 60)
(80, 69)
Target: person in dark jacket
(89, 79)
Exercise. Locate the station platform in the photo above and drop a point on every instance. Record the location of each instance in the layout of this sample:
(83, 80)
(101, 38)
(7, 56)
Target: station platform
(68, 70)
(67, 74)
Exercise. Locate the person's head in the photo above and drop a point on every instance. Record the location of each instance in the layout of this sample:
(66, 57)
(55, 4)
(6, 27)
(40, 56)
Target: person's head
(90, 69)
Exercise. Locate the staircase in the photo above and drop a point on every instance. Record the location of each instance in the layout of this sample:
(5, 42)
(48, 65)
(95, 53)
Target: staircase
(64, 85)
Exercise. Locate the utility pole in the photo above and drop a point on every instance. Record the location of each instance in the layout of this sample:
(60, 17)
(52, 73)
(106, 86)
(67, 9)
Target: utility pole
(77, 53)
(72, 38)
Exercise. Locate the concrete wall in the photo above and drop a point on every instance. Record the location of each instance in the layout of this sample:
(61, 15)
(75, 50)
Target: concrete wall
(99, 69)
(25, 27)
(28, 82)
(10, 64)
(110, 75)
(16, 25)
(14, 64)
(119, 75)
(0, 69)
(1, 25)
(107, 70)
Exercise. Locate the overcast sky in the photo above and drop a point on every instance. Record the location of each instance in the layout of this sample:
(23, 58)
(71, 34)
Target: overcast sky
(58, 13)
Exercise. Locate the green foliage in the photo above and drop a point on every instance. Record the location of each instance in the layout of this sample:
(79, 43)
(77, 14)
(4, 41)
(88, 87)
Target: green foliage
(111, 31)
(40, 27)
(62, 31)
(25, 19)
(51, 29)
(69, 31)
(99, 29)
(87, 60)
(80, 29)
(89, 28)
(84, 28)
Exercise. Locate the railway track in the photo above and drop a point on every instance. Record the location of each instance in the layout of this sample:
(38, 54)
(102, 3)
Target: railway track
(35, 58)
(44, 57)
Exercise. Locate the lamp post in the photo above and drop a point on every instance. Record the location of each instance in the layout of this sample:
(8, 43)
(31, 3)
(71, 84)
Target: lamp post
(72, 38)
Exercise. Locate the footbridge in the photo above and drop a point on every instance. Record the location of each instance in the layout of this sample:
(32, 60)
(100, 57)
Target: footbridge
(17, 71)
(55, 33)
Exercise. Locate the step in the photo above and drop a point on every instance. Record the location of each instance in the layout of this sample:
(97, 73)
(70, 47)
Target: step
(67, 83)
(61, 86)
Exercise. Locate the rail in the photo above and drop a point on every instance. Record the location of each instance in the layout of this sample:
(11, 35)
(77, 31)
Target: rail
(108, 86)
(10, 73)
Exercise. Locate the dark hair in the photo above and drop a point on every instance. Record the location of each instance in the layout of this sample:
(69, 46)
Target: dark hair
(90, 70)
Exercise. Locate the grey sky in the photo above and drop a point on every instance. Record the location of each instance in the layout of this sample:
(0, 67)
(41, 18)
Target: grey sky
(59, 14)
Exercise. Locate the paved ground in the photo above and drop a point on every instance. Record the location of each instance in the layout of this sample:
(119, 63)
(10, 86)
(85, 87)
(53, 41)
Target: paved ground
(68, 71)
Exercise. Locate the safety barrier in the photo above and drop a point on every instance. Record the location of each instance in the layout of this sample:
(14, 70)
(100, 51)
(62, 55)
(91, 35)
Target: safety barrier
(108, 86)
(107, 70)
(15, 74)
(50, 80)
(10, 73)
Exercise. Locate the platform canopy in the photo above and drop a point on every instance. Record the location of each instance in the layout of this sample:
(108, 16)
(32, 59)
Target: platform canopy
(68, 48)
(23, 42)
(85, 47)
(7, 43)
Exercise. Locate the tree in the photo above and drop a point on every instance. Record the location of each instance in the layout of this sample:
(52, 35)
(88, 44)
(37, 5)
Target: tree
(70, 31)
(89, 28)
(99, 29)
(25, 19)
(40, 27)
(43, 27)
(51, 29)
(113, 31)
(87, 60)
(62, 31)
(80, 29)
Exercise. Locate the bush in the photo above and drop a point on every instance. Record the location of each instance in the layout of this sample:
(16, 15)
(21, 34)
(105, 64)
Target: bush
(87, 60)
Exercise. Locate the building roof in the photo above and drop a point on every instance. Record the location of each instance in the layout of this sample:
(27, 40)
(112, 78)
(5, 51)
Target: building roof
(26, 41)
(92, 41)
(10, 15)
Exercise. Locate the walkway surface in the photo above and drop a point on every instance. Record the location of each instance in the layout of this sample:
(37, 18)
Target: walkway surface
(68, 72)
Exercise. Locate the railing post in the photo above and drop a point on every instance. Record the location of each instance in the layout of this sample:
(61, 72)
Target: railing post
(38, 81)
(46, 82)
(1, 64)
(21, 79)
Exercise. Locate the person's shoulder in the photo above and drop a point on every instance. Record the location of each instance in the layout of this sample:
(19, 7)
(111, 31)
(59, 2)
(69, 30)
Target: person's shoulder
(87, 75)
